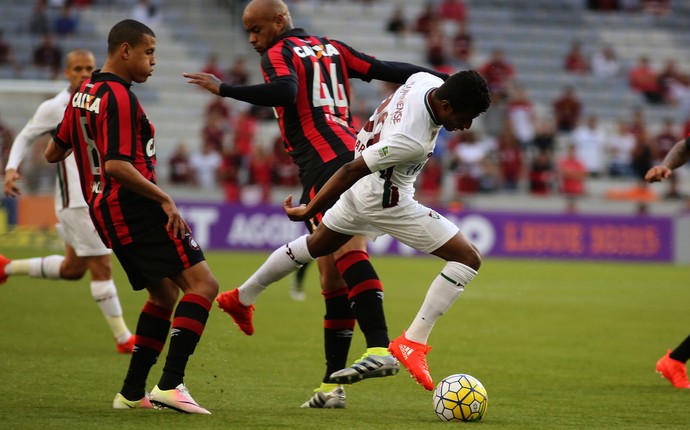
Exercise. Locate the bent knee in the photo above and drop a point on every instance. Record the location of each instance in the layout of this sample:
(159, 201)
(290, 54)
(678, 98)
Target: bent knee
(472, 258)
(72, 274)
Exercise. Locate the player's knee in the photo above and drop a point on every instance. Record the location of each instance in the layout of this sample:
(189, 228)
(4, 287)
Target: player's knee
(72, 273)
(472, 258)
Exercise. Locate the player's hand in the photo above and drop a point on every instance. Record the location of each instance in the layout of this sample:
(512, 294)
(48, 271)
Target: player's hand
(298, 213)
(204, 80)
(176, 223)
(11, 189)
(657, 173)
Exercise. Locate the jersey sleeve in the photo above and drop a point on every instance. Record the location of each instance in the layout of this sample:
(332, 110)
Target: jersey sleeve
(392, 151)
(278, 63)
(119, 126)
(358, 63)
(63, 132)
(47, 116)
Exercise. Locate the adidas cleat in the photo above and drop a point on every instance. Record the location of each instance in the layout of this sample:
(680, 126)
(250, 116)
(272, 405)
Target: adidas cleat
(120, 402)
(177, 399)
(673, 370)
(412, 355)
(369, 366)
(4, 261)
(127, 347)
(334, 399)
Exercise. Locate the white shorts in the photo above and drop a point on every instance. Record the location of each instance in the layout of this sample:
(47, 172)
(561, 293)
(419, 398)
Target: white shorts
(414, 224)
(77, 230)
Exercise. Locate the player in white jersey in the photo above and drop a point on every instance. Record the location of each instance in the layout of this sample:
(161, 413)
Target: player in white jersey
(84, 249)
(376, 193)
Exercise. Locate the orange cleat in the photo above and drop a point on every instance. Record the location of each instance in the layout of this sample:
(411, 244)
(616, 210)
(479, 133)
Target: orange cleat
(4, 261)
(412, 355)
(229, 302)
(127, 347)
(673, 370)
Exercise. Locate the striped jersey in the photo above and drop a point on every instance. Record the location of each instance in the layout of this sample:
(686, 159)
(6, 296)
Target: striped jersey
(318, 127)
(396, 143)
(104, 121)
(47, 116)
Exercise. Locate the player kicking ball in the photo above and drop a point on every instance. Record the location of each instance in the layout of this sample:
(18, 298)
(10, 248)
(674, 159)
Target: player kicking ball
(376, 197)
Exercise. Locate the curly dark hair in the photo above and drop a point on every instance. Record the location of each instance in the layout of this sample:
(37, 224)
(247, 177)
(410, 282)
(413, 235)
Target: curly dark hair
(127, 31)
(466, 91)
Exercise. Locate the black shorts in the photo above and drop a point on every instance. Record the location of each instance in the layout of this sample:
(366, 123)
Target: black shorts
(312, 186)
(155, 256)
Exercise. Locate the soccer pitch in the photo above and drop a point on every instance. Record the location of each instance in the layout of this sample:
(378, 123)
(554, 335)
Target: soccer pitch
(556, 344)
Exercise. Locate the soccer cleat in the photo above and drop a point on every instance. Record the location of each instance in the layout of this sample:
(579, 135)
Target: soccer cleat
(229, 302)
(369, 366)
(4, 261)
(673, 370)
(127, 347)
(120, 402)
(334, 399)
(177, 399)
(412, 355)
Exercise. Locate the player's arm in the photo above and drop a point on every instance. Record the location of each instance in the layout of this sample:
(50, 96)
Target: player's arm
(676, 157)
(56, 152)
(342, 180)
(279, 92)
(129, 177)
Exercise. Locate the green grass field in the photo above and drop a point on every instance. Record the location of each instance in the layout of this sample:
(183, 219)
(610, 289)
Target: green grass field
(556, 344)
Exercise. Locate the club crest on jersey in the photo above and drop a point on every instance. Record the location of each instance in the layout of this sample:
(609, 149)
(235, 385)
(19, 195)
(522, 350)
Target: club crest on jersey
(434, 215)
(383, 152)
(317, 51)
(192, 242)
(86, 101)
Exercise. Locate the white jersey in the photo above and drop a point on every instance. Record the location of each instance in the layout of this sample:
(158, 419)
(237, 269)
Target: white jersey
(47, 117)
(396, 142)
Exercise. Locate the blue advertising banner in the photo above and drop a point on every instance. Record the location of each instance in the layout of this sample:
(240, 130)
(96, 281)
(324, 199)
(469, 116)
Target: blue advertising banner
(497, 234)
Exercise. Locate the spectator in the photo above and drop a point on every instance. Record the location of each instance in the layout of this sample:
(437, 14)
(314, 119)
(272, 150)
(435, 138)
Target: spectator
(48, 55)
(215, 131)
(541, 173)
(566, 110)
(605, 63)
(260, 170)
(285, 171)
(477, 170)
(660, 146)
(619, 148)
(590, 143)
(575, 60)
(463, 47)
(205, 166)
(498, 72)
(245, 134)
(66, 23)
(218, 106)
(436, 45)
(429, 182)
(179, 166)
(212, 67)
(7, 57)
(644, 80)
(510, 159)
(642, 156)
(39, 22)
(453, 10)
(230, 173)
(545, 135)
(426, 18)
(673, 83)
(397, 23)
(238, 75)
(495, 119)
(146, 12)
(522, 117)
(572, 174)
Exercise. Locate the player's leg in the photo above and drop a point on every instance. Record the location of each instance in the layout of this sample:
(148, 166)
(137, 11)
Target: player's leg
(104, 292)
(48, 267)
(672, 366)
(366, 301)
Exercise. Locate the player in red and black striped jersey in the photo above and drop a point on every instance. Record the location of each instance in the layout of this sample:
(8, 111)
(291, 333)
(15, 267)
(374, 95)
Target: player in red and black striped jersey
(112, 140)
(307, 82)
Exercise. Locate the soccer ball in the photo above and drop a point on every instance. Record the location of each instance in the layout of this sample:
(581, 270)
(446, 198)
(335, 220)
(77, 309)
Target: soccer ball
(460, 397)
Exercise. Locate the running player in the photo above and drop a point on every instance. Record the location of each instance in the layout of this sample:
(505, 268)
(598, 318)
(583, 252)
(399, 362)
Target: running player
(84, 250)
(307, 84)
(113, 144)
(672, 366)
(392, 148)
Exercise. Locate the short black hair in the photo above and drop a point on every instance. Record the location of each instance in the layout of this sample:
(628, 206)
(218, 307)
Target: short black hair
(127, 31)
(466, 91)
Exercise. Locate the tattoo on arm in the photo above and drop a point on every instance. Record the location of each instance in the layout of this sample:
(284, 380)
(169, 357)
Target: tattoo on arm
(677, 156)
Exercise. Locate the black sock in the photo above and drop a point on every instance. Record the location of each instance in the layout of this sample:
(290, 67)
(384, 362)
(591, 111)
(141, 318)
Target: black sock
(366, 296)
(338, 324)
(152, 331)
(187, 327)
(682, 351)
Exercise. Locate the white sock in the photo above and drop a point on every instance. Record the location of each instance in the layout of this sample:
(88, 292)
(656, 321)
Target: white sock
(443, 291)
(39, 267)
(105, 294)
(279, 264)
